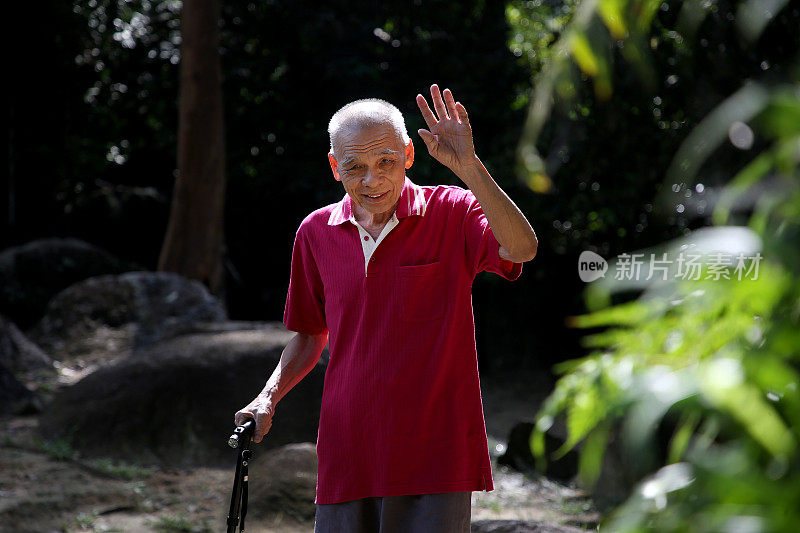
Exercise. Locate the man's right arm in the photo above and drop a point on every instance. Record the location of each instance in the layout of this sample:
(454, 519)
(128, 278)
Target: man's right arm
(298, 359)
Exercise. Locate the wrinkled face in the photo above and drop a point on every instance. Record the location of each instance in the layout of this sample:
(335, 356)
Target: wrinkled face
(371, 163)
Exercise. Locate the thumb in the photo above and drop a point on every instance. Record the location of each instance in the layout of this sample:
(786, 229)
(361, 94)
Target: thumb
(429, 138)
(242, 416)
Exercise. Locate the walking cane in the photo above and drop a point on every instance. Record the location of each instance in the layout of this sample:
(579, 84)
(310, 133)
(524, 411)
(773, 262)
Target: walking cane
(240, 439)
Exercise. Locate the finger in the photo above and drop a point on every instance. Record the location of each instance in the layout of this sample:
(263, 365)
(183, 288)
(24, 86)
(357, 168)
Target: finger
(258, 436)
(429, 138)
(241, 417)
(450, 102)
(261, 424)
(438, 103)
(463, 117)
(427, 114)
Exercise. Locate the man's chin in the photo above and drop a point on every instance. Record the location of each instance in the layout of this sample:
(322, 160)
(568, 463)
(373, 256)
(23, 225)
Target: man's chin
(380, 207)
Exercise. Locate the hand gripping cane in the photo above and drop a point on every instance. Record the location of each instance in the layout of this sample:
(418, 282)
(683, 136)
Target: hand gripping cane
(240, 439)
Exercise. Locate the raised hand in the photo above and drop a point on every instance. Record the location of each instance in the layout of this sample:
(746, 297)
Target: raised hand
(448, 138)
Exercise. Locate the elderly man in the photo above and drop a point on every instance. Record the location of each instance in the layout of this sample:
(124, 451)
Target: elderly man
(385, 275)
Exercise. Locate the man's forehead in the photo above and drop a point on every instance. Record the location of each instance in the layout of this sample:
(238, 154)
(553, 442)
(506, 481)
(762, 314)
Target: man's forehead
(376, 139)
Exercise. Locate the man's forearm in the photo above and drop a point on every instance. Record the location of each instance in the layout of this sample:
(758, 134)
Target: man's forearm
(509, 225)
(298, 359)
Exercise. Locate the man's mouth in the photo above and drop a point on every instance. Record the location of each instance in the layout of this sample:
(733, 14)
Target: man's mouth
(375, 196)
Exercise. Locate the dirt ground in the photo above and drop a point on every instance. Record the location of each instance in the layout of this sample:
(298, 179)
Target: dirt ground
(45, 487)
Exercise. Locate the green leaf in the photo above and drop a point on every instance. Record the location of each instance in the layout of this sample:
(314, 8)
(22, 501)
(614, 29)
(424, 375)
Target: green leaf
(781, 117)
(611, 12)
(591, 458)
(624, 314)
(583, 414)
(537, 446)
(647, 10)
(583, 54)
(753, 16)
(781, 381)
(682, 435)
(712, 131)
(721, 382)
(739, 185)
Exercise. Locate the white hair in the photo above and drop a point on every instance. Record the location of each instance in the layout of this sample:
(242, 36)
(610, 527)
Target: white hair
(367, 112)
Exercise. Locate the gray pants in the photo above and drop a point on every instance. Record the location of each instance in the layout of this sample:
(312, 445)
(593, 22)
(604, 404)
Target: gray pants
(447, 512)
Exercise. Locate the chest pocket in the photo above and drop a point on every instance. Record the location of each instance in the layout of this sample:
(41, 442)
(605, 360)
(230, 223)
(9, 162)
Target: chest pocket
(421, 292)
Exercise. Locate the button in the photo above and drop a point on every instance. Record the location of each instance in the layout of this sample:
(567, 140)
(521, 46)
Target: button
(372, 259)
(366, 238)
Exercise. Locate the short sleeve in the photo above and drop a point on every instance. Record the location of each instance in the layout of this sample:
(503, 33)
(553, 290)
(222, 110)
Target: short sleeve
(305, 301)
(483, 250)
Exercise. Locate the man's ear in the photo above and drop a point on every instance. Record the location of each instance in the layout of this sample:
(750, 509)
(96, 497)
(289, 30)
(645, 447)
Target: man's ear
(334, 167)
(409, 154)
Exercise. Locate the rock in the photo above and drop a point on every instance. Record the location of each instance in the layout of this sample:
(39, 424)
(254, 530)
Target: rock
(519, 457)
(17, 353)
(284, 481)
(16, 398)
(174, 402)
(18, 356)
(621, 470)
(519, 526)
(124, 313)
(518, 453)
(30, 275)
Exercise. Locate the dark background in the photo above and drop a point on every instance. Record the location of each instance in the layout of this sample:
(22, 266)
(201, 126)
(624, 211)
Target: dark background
(93, 121)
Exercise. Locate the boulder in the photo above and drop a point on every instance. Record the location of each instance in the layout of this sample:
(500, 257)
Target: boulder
(174, 403)
(518, 454)
(284, 481)
(124, 313)
(31, 274)
(621, 470)
(519, 526)
(17, 353)
(15, 398)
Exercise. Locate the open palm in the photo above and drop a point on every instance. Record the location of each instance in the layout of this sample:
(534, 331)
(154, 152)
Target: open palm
(448, 138)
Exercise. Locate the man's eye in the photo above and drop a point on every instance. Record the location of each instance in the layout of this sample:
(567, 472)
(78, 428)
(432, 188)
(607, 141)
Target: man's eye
(386, 161)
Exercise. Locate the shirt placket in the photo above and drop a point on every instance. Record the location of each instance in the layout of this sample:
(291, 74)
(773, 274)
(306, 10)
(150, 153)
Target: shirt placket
(368, 244)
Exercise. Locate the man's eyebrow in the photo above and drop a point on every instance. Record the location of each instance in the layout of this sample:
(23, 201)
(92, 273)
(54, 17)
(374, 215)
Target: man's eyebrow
(386, 151)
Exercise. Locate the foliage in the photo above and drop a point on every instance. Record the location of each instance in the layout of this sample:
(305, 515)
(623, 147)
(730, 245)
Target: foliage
(60, 449)
(121, 469)
(616, 93)
(63, 450)
(715, 359)
(175, 524)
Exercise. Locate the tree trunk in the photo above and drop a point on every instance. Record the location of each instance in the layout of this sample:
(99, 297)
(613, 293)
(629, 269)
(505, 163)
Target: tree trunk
(193, 245)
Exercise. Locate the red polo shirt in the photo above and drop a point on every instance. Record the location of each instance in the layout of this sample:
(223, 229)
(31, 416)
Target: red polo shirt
(401, 404)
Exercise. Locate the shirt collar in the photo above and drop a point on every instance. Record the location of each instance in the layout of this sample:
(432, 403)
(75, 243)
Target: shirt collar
(412, 202)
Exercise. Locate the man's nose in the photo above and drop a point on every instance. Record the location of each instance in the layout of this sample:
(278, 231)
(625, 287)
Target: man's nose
(370, 179)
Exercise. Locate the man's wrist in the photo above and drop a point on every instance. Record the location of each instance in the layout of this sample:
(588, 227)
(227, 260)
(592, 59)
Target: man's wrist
(270, 396)
(471, 172)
